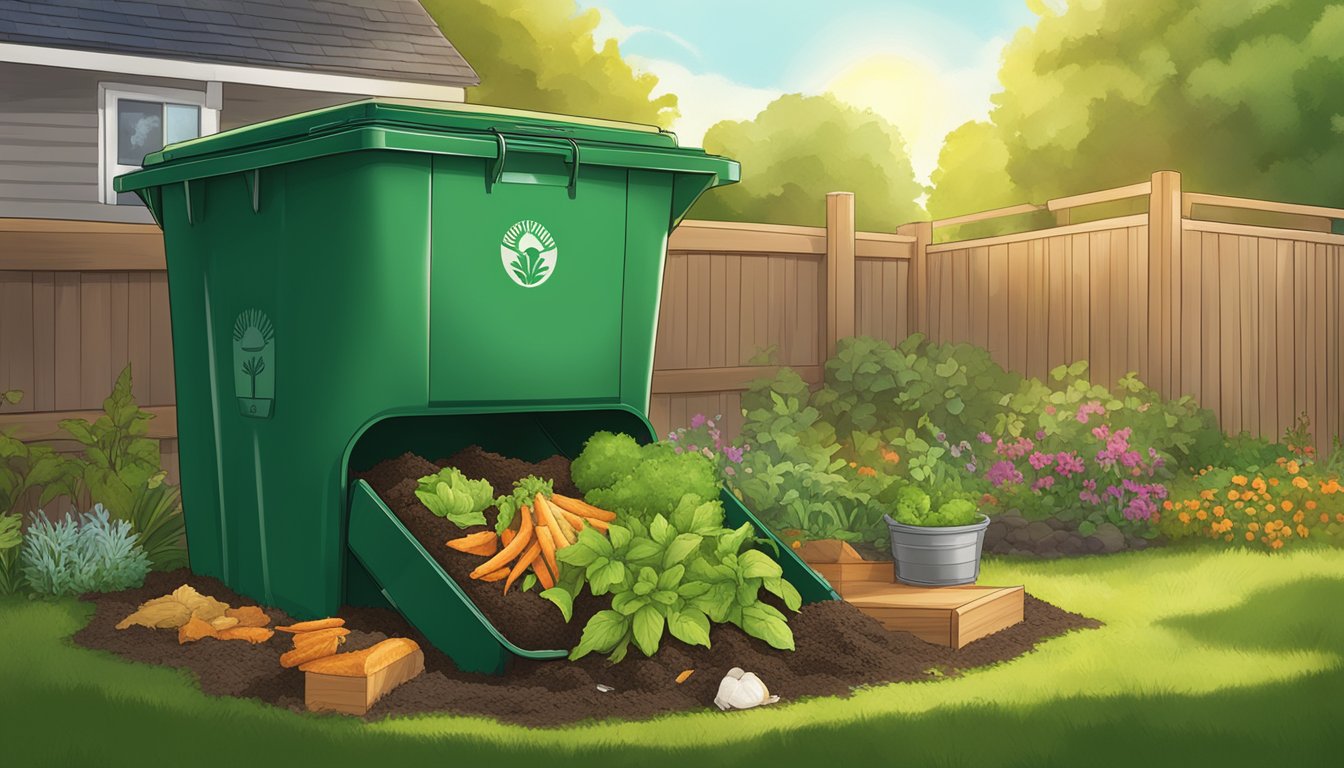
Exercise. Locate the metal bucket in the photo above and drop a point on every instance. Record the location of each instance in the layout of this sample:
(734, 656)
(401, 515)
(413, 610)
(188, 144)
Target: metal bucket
(937, 557)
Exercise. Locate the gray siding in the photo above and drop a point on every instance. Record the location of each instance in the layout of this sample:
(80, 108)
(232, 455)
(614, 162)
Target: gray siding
(49, 135)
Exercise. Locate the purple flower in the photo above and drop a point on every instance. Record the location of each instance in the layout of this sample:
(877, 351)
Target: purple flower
(1040, 461)
(697, 421)
(1140, 508)
(673, 437)
(1069, 464)
(971, 467)
(1040, 434)
(733, 453)
(984, 438)
(1089, 496)
(1003, 472)
(1114, 491)
(1090, 484)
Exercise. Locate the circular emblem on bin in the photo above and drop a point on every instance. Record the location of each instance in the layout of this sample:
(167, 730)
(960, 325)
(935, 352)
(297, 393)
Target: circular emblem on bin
(529, 253)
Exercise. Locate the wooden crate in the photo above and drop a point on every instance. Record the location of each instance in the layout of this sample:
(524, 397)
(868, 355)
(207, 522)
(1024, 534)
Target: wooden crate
(951, 616)
(355, 695)
(838, 563)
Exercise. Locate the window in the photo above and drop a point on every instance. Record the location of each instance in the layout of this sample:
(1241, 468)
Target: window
(137, 120)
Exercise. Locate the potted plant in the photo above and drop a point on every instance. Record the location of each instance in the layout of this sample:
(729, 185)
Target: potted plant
(935, 546)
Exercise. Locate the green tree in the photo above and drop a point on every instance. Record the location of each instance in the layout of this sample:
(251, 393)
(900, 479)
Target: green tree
(1242, 97)
(540, 55)
(801, 147)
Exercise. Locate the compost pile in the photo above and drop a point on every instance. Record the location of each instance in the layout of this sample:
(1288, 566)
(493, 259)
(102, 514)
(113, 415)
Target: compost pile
(838, 648)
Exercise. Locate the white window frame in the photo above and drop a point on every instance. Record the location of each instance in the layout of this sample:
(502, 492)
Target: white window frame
(108, 95)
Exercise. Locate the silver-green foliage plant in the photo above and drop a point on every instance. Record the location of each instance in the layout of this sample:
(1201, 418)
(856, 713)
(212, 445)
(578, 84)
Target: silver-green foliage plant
(91, 554)
(452, 495)
(11, 538)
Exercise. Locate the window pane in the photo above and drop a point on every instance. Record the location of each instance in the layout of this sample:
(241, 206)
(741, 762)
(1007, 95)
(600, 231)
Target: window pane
(139, 130)
(184, 122)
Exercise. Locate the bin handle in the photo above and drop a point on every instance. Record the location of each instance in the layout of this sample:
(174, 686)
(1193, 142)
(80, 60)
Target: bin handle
(497, 169)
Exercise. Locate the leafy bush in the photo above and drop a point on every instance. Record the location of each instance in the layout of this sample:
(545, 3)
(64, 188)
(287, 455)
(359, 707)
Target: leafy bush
(121, 470)
(914, 507)
(452, 495)
(11, 538)
(606, 457)
(24, 467)
(667, 563)
(93, 554)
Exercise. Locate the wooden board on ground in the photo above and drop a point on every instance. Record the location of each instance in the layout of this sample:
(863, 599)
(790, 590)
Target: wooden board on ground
(951, 616)
(843, 576)
(355, 695)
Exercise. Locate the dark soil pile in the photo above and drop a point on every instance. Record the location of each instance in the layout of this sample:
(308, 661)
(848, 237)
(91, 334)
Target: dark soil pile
(529, 621)
(838, 649)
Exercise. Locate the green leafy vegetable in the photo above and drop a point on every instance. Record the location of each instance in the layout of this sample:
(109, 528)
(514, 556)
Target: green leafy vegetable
(450, 494)
(913, 507)
(606, 458)
(524, 491)
(657, 483)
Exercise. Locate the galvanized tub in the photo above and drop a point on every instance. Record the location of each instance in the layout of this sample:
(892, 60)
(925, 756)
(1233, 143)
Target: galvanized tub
(937, 557)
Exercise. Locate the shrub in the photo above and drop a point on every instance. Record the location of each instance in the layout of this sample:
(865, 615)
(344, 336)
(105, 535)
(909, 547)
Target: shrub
(91, 554)
(1287, 502)
(661, 475)
(11, 538)
(605, 458)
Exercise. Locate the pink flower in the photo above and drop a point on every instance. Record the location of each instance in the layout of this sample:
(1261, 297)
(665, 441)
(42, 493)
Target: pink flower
(1050, 410)
(1040, 460)
(1043, 483)
(1003, 472)
(1068, 464)
(697, 421)
(984, 438)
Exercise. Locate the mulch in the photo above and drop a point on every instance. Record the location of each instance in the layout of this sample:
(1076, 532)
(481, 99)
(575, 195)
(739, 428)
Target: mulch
(838, 648)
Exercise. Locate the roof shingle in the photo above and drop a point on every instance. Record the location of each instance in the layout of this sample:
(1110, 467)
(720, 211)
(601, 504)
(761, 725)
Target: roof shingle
(383, 39)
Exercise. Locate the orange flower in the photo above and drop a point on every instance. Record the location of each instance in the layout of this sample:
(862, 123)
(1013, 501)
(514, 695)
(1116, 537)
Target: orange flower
(1340, 517)
(1325, 518)
(1202, 515)
(1206, 494)
(1293, 468)
(1241, 504)
(1303, 531)
(1250, 536)
(1184, 517)
(1273, 481)
(1258, 484)
(1311, 503)
(1218, 511)
(1232, 495)
(890, 456)
(1253, 527)
(1239, 479)
(1167, 505)
(1300, 482)
(1249, 510)
(1287, 505)
(1192, 504)
(1272, 508)
(1299, 517)
(867, 471)
(1247, 495)
(1278, 544)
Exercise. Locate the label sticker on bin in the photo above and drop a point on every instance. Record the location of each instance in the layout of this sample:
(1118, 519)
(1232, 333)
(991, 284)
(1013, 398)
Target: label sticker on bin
(254, 363)
(529, 253)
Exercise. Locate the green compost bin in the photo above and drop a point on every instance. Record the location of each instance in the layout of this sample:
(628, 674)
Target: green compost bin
(355, 282)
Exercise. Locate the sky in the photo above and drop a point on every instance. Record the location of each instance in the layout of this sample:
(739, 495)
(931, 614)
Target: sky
(925, 65)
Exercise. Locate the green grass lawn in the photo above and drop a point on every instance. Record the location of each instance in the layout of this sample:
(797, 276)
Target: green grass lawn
(1207, 658)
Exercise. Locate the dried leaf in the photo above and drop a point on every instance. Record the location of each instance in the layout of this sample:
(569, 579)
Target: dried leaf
(685, 673)
(202, 606)
(249, 616)
(194, 630)
(252, 635)
(158, 614)
(224, 622)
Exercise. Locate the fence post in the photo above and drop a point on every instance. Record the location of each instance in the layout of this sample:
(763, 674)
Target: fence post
(1164, 275)
(917, 283)
(840, 308)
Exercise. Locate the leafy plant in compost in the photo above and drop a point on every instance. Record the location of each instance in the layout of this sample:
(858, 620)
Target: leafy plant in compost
(676, 575)
(452, 495)
(524, 491)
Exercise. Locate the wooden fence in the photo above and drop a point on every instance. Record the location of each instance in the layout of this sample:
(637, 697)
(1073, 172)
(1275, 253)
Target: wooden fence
(1246, 318)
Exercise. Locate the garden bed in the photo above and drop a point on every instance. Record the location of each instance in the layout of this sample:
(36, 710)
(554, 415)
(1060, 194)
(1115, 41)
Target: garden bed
(838, 650)
(1010, 533)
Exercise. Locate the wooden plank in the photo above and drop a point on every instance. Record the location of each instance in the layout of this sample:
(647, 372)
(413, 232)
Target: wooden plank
(43, 395)
(1080, 298)
(1038, 326)
(1225, 201)
(987, 615)
(1099, 249)
(1191, 314)
(1164, 245)
(1267, 339)
(16, 333)
(1248, 310)
(947, 296)
(701, 380)
(1211, 369)
(356, 695)
(68, 368)
(1057, 303)
(1120, 307)
(1300, 319)
(742, 237)
(776, 313)
(1320, 357)
(917, 278)
(138, 333)
(839, 268)
(1230, 327)
(733, 319)
(95, 338)
(1102, 196)
(161, 390)
(755, 282)
(118, 322)
(718, 310)
(1284, 308)
(1118, 222)
(998, 304)
(81, 251)
(951, 616)
(995, 213)
(1137, 314)
(659, 413)
(866, 246)
(45, 426)
(1018, 256)
(961, 293)
(1257, 231)
(978, 300)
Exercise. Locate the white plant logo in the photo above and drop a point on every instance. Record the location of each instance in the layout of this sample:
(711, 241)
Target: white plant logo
(529, 253)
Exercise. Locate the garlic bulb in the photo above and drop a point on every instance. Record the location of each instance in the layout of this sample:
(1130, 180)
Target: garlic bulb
(742, 690)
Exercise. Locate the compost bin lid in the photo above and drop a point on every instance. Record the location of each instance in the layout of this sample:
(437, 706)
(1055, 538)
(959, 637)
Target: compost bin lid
(420, 126)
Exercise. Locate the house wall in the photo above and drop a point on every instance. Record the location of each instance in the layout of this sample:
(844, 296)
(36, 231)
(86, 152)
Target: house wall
(49, 135)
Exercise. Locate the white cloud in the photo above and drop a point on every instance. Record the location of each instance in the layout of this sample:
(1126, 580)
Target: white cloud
(609, 27)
